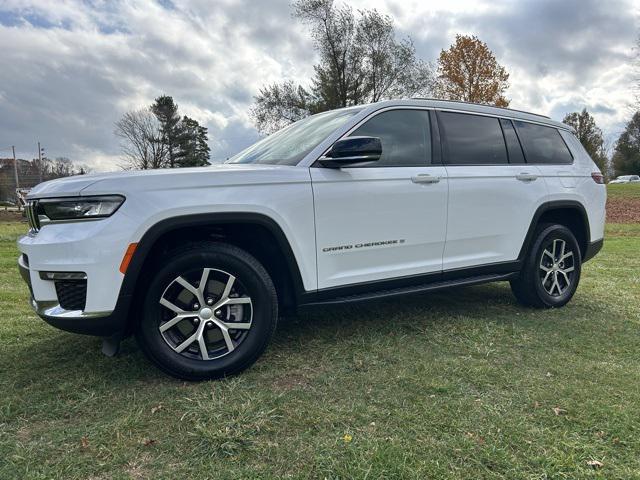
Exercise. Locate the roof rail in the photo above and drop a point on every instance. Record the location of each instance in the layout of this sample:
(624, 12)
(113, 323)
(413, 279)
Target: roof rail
(480, 105)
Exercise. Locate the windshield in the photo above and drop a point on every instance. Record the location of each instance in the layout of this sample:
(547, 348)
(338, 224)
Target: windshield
(290, 145)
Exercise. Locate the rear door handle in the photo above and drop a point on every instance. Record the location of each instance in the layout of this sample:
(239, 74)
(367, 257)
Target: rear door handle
(424, 178)
(526, 177)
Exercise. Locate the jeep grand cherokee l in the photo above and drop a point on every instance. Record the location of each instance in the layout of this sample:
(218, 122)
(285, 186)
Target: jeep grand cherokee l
(354, 204)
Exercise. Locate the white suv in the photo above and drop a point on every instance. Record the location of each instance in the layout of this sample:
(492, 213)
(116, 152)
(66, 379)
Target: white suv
(353, 204)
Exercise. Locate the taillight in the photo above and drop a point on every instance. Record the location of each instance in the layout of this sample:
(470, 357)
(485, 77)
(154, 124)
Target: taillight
(598, 178)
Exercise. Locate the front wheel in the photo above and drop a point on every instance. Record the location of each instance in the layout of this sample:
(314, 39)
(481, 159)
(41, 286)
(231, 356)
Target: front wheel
(551, 270)
(209, 312)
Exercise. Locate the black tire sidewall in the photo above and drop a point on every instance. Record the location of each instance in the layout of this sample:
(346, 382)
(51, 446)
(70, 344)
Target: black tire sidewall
(545, 236)
(259, 287)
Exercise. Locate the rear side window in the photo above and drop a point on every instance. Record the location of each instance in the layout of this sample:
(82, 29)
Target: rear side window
(405, 136)
(543, 144)
(473, 139)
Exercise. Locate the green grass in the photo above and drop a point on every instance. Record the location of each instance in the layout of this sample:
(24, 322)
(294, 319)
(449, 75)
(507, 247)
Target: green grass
(459, 384)
(623, 190)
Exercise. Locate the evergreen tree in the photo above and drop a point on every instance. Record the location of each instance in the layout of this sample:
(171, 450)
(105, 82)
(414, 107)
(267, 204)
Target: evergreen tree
(166, 111)
(626, 157)
(193, 150)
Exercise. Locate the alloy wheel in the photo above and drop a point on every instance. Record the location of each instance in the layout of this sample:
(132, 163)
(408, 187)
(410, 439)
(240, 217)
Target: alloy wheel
(206, 314)
(557, 267)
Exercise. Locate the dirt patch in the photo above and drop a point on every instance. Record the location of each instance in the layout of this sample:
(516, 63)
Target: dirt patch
(291, 382)
(10, 216)
(623, 210)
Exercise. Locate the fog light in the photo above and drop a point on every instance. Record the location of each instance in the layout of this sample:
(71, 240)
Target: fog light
(63, 275)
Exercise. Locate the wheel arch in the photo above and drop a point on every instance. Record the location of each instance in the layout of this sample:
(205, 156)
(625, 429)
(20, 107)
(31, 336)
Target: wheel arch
(259, 234)
(569, 213)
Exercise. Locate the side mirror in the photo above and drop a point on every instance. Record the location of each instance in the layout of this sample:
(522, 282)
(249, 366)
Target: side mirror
(352, 150)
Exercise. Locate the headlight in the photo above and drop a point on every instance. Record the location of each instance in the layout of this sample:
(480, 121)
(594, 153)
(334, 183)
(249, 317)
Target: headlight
(78, 208)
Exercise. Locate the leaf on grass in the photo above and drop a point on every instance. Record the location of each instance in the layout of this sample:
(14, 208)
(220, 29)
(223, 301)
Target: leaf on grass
(156, 408)
(149, 442)
(477, 438)
(559, 411)
(595, 464)
(84, 443)
(347, 438)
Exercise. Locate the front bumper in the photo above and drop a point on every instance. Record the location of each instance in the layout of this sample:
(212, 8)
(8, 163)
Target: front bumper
(103, 324)
(95, 248)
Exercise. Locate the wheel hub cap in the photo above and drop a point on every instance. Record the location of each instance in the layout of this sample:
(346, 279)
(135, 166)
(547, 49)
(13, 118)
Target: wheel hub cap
(557, 268)
(210, 332)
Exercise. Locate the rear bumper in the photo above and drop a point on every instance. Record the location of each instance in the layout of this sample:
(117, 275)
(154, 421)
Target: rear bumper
(592, 249)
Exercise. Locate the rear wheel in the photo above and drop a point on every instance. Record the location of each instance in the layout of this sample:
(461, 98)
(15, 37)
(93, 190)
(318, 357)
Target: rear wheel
(551, 271)
(208, 313)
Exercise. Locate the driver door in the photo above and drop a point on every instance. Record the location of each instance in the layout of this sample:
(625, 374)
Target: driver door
(385, 219)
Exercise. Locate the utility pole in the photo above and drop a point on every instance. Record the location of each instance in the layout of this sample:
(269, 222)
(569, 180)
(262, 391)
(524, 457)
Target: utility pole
(39, 163)
(15, 166)
(15, 173)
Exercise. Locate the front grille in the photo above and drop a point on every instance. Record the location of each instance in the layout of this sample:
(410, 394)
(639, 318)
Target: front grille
(31, 211)
(72, 294)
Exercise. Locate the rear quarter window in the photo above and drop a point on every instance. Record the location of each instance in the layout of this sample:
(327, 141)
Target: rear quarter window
(542, 144)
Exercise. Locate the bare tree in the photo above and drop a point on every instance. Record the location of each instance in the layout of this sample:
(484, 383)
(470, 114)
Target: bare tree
(278, 105)
(360, 61)
(140, 143)
(390, 67)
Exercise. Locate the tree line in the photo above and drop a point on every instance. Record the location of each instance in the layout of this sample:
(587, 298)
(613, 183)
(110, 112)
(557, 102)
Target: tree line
(360, 60)
(157, 137)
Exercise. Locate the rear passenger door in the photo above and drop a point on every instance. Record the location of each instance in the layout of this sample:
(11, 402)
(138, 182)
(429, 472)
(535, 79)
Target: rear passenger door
(493, 194)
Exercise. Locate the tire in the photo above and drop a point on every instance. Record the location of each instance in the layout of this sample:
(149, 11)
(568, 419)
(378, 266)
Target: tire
(546, 282)
(238, 298)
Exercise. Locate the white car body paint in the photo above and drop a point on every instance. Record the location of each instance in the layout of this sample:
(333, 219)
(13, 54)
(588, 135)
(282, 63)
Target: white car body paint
(474, 215)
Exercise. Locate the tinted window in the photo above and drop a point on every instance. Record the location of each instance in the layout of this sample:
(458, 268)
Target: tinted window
(513, 144)
(473, 139)
(405, 136)
(542, 144)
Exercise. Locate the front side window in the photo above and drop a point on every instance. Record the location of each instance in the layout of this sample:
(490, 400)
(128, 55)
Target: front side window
(405, 137)
(473, 139)
(291, 144)
(543, 144)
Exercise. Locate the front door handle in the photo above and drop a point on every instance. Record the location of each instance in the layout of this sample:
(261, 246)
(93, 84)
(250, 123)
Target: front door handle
(425, 178)
(526, 177)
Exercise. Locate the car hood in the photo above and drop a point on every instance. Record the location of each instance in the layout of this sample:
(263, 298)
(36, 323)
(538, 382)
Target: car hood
(169, 179)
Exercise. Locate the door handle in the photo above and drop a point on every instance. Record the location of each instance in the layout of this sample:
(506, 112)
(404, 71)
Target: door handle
(424, 178)
(526, 177)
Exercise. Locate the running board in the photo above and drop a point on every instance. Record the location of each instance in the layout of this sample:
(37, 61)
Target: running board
(421, 288)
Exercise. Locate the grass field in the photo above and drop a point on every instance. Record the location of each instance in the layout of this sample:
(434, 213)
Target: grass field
(460, 384)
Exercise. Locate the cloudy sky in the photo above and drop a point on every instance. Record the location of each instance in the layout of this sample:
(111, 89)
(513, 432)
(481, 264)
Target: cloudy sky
(70, 68)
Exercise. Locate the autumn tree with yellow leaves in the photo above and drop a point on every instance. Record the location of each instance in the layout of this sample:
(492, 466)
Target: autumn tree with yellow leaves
(468, 71)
